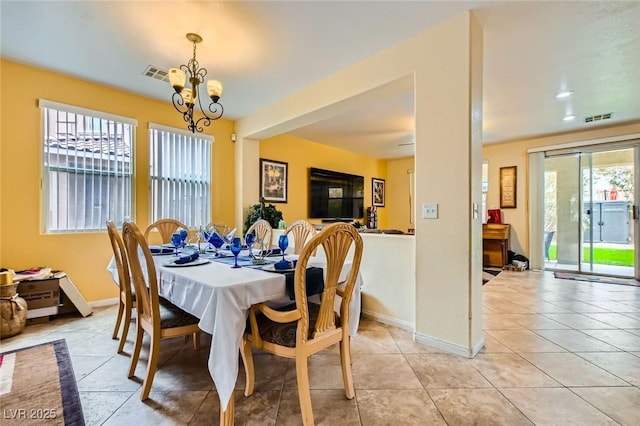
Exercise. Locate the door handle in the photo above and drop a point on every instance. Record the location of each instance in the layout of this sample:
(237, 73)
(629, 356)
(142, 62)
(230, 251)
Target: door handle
(634, 212)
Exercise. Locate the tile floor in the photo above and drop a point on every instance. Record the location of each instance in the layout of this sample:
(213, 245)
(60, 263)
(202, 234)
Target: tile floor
(556, 352)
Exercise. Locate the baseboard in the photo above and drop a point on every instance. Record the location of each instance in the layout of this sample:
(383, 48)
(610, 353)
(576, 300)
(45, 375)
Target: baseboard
(448, 346)
(104, 302)
(477, 347)
(405, 325)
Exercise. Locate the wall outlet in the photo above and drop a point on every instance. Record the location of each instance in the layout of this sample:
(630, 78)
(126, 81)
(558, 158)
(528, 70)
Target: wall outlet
(430, 210)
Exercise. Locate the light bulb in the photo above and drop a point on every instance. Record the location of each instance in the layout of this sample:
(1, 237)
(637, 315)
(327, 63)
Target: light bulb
(214, 89)
(177, 79)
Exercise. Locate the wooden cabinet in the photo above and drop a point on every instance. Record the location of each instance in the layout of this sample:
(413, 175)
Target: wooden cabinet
(495, 244)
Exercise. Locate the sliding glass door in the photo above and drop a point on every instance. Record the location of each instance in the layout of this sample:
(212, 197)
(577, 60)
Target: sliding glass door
(588, 205)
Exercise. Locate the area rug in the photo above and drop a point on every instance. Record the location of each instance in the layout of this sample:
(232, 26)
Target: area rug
(488, 274)
(38, 386)
(596, 278)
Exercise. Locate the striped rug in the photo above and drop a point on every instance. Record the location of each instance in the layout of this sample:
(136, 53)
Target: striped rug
(38, 386)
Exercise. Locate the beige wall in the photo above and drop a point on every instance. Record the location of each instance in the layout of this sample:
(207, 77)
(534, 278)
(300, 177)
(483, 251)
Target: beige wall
(515, 154)
(83, 256)
(448, 114)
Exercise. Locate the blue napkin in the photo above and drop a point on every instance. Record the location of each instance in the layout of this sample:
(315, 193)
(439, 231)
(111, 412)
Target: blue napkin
(215, 239)
(285, 264)
(272, 252)
(314, 281)
(161, 250)
(186, 259)
(314, 278)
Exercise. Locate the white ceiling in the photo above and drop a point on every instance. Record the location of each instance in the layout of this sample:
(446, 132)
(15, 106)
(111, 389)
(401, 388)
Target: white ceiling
(263, 51)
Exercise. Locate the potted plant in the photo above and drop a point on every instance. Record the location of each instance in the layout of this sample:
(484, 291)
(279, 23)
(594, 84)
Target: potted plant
(267, 212)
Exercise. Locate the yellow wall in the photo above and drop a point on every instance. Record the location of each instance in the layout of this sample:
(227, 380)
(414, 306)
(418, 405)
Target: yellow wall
(83, 256)
(301, 154)
(515, 154)
(397, 202)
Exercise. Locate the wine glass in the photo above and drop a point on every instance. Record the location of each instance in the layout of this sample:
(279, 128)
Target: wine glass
(249, 239)
(206, 232)
(228, 237)
(216, 241)
(176, 241)
(236, 248)
(283, 243)
(183, 233)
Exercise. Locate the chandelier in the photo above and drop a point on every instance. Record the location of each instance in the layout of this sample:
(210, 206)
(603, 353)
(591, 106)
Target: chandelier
(185, 98)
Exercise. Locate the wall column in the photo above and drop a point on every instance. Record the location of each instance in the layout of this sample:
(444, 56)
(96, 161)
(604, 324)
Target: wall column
(448, 172)
(246, 179)
(445, 62)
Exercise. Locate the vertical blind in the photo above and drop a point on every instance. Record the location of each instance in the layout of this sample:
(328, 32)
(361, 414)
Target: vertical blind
(87, 168)
(180, 175)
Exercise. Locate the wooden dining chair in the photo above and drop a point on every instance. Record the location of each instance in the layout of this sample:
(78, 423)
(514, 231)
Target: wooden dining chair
(165, 227)
(300, 230)
(263, 231)
(156, 316)
(127, 297)
(300, 330)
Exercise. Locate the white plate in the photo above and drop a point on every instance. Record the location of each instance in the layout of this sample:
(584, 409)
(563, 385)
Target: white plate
(196, 262)
(272, 268)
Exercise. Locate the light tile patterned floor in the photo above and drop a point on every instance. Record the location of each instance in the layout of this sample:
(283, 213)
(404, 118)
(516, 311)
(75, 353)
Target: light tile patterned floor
(556, 352)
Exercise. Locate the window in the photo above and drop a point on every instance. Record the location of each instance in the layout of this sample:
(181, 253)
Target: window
(87, 168)
(180, 175)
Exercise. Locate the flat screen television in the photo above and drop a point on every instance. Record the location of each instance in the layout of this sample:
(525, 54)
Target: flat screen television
(335, 195)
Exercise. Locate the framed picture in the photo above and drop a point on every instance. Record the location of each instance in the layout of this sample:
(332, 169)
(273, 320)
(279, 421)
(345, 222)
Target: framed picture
(508, 187)
(377, 192)
(273, 181)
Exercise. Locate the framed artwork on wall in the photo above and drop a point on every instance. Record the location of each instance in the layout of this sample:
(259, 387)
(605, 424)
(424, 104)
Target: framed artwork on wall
(377, 192)
(508, 187)
(273, 181)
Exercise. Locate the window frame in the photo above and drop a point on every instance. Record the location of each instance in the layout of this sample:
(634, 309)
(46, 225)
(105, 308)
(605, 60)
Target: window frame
(181, 175)
(88, 116)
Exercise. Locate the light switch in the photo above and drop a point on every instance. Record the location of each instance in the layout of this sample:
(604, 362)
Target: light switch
(430, 210)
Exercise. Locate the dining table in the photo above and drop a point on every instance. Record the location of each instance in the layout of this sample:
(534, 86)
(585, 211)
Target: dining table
(220, 296)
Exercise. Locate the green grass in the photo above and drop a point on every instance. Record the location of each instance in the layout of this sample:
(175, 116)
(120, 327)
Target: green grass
(603, 256)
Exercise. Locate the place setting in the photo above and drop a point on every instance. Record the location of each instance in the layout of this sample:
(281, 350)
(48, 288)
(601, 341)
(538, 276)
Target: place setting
(178, 243)
(184, 255)
(258, 256)
(193, 259)
(161, 251)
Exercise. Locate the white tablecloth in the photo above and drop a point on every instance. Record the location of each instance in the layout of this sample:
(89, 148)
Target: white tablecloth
(221, 297)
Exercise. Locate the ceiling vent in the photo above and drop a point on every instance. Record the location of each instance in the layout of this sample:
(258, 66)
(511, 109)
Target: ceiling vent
(598, 117)
(157, 73)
